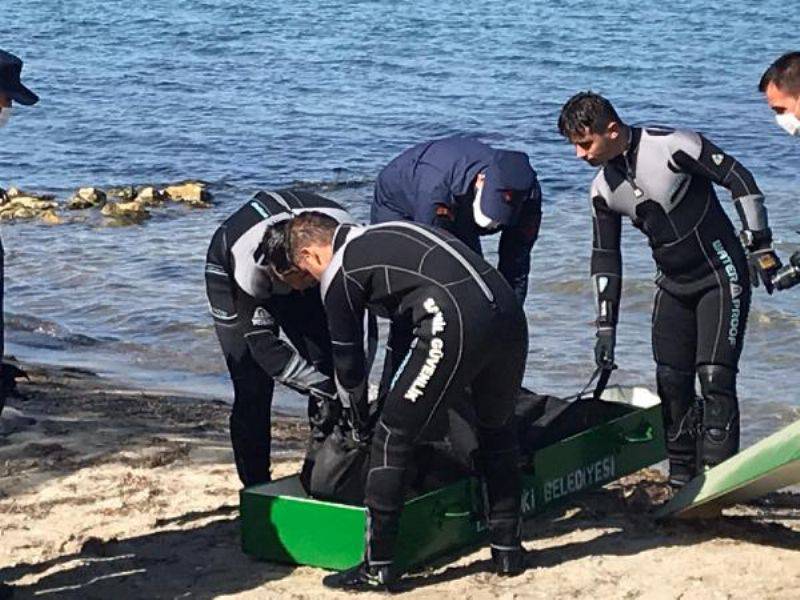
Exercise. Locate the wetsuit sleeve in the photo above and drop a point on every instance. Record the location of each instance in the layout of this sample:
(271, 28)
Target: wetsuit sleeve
(694, 154)
(433, 201)
(345, 307)
(606, 263)
(278, 358)
(516, 244)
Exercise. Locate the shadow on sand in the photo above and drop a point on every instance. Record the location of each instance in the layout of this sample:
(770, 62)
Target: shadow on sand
(200, 562)
(628, 533)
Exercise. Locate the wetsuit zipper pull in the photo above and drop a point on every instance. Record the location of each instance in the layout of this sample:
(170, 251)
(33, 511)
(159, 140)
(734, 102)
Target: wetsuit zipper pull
(637, 191)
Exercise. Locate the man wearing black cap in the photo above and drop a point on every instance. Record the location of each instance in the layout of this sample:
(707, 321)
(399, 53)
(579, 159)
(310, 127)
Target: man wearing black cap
(469, 189)
(11, 91)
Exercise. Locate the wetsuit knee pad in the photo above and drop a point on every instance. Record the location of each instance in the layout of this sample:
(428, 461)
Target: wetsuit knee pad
(720, 413)
(681, 422)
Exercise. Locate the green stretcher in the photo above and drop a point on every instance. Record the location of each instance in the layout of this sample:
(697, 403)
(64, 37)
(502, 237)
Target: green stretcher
(281, 523)
(771, 464)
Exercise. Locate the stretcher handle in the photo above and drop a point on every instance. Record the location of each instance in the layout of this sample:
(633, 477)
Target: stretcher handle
(464, 514)
(642, 436)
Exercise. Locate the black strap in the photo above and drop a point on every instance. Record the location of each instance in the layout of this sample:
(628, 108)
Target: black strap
(602, 382)
(599, 388)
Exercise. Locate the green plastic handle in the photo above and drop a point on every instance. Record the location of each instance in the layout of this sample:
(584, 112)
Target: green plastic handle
(458, 515)
(639, 437)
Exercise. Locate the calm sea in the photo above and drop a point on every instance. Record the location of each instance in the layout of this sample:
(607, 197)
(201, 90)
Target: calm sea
(248, 95)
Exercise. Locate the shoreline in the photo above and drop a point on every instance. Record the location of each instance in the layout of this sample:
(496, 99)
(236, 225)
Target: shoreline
(127, 493)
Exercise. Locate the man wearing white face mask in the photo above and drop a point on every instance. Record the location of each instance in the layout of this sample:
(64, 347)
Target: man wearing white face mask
(11, 90)
(780, 83)
(470, 189)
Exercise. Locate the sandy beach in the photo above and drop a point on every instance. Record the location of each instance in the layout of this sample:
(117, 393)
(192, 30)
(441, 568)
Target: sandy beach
(108, 492)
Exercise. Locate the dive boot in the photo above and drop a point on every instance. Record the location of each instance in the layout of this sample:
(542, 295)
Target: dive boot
(362, 578)
(508, 562)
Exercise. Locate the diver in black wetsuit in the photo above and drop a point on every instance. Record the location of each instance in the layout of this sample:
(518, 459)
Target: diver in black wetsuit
(459, 323)
(662, 180)
(250, 306)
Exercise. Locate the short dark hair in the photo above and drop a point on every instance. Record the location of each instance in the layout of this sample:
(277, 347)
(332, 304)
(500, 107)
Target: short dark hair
(309, 228)
(272, 252)
(784, 73)
(585, 110)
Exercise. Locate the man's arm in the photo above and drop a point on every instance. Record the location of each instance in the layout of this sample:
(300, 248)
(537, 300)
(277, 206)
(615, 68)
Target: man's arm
(434, 202)
(279, 359)
(345, 307)
(398, 344)
(606, 271)
(516, 244)
(694, 154)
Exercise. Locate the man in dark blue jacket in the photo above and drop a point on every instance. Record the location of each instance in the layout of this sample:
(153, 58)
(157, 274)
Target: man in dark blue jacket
(11, 90)
(469, 189)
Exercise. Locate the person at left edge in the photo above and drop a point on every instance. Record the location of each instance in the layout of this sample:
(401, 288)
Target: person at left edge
(11, 90)
(780, 85)
(470, 189)
(250, 306)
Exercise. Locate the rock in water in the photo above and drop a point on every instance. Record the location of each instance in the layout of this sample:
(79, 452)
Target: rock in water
(14, 192)
(193, 193)
(87, 197)
(125, 193)
(125, 212)
(51, 218)
(36, 203)
(150, 196)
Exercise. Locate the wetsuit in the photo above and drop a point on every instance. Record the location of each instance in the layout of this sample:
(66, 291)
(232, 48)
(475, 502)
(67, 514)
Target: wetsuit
(250, 310)
(463, 325)
(434, 183)
(663, 183)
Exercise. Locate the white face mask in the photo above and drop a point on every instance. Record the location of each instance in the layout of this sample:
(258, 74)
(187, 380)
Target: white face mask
(5, 115)
(481, 219)
(789, 123)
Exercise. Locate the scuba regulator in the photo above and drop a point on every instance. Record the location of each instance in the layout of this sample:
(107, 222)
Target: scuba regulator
(789, 275)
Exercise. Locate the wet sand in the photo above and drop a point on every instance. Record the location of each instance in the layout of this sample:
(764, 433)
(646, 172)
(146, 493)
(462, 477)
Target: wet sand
(108, 492)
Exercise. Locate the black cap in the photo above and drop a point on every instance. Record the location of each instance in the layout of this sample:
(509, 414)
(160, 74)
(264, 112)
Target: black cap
(509, 177)
(10, 85)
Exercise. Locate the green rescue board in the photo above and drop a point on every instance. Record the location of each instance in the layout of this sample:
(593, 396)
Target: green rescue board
(771, 464)
(280, 523)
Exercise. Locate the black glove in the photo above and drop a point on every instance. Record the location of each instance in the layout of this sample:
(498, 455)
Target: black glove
(361, 437)
(324, 408)
(764, 265)
(604, 347)
(325, 389)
